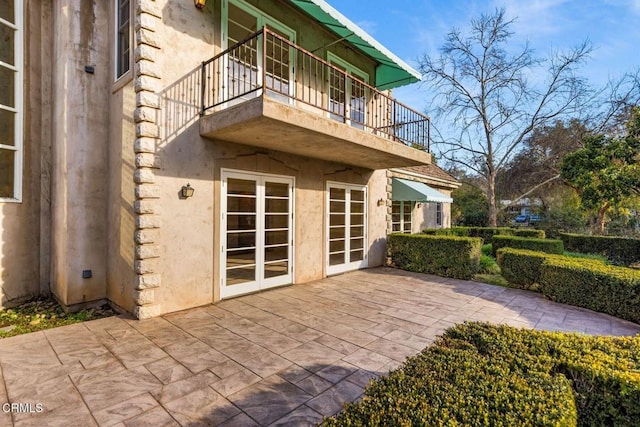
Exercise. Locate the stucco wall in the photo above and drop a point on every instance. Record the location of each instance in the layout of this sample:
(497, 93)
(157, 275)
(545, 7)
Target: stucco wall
(80, 141)
(424, 215)
(121, 220)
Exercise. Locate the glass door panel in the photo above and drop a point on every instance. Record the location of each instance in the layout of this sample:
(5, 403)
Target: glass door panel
(241, 237)
(277, 231)
(242, 68)
(346, 227)
(337, 225)
(257, 232)
(278, 62)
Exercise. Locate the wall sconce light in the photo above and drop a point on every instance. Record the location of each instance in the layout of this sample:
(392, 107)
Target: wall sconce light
(199, 3)
(381, 202)
(187, 191)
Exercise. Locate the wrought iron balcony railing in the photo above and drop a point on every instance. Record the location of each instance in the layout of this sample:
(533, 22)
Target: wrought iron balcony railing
(267, 63)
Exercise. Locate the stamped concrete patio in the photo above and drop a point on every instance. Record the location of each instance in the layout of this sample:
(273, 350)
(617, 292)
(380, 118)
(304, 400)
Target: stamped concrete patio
(281, 357)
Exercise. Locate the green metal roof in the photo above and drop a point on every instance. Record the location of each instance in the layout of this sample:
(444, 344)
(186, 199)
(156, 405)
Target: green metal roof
(391, 71)
(405, 190)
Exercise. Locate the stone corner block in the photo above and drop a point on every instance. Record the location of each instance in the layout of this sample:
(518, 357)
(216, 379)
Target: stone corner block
(147, 311)
(147, 251)
(148, 281)
(147, 221)
(144, 297)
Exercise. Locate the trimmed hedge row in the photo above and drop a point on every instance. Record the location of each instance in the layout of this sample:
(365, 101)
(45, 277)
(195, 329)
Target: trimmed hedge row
(586, 283)
(619, 250)
(592, 284)
(485, 233)
(448, 256)
(520, 267)
(542, 245)
(479, 374)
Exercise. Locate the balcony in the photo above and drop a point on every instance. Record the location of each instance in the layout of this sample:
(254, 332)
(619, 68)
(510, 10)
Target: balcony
(265, 91)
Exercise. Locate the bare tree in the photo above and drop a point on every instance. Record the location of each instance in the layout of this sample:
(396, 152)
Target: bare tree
(493, 99)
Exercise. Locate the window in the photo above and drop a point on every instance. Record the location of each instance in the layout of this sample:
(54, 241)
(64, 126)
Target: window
(347, 92)
(401, 215)
(123, 37)
(242, 74)
(11, 100)
(439, 214)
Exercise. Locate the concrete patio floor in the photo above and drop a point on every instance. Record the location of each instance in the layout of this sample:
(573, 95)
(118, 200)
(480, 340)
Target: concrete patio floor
(283, 357)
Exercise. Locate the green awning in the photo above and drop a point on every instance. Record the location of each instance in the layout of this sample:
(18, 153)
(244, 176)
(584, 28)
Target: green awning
(391, 71)
(405, 190)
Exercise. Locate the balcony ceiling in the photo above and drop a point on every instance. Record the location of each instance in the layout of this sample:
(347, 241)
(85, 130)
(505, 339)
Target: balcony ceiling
(267, 123)
(391, 72)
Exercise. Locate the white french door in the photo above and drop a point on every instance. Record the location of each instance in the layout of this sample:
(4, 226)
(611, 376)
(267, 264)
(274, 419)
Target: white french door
(243, 66)
(257, 232)
(346, 227)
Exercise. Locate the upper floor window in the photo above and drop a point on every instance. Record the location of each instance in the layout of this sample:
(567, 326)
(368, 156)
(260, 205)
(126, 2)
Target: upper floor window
(11, 109)
(123, 37)
(347, 90)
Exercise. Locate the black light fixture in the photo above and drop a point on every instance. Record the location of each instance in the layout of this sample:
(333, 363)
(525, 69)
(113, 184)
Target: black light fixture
(200, 3)
(187, 191)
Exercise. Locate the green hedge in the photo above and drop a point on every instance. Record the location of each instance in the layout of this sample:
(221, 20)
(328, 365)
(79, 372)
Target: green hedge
(587, 283)
(485, 233)
(619, 250)
(592, 284)
(528, 232)
(448, 256)
(541, 245)
(520, 267)
(479, 374)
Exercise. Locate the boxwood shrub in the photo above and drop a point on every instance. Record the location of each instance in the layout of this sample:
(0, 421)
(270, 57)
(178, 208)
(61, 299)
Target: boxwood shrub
(619, 250)
(592, 284)
(479, 374)
(448, 256)
(542, 245)
(485, 233)
(528, 232)
(520, 267)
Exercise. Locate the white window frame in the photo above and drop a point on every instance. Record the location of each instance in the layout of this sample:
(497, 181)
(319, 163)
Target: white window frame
(18, 109)
(116, 51)
(403, 207)
(439, 213)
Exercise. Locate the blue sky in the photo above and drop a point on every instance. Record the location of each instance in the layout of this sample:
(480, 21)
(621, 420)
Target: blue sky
(411, 28)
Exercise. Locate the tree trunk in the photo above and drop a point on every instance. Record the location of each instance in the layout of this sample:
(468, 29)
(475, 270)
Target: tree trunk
(491, 196)
(598, 227)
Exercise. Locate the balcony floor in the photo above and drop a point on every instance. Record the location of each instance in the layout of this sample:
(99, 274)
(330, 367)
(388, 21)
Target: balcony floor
(267, 123)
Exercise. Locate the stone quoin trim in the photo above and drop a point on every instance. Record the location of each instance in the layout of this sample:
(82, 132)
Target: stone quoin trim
(147, 84)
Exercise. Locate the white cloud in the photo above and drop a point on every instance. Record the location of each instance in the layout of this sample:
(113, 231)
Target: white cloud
(368, 26)
(535, 18)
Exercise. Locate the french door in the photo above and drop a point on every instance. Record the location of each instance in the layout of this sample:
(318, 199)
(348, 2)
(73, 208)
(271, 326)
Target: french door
(243, 68)
(257, 232)
(346, 227)
(347, 92)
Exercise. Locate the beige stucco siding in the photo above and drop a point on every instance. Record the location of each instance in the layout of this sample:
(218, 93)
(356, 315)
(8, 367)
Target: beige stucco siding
(121, 218)
(80, 141)
(424, 215)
